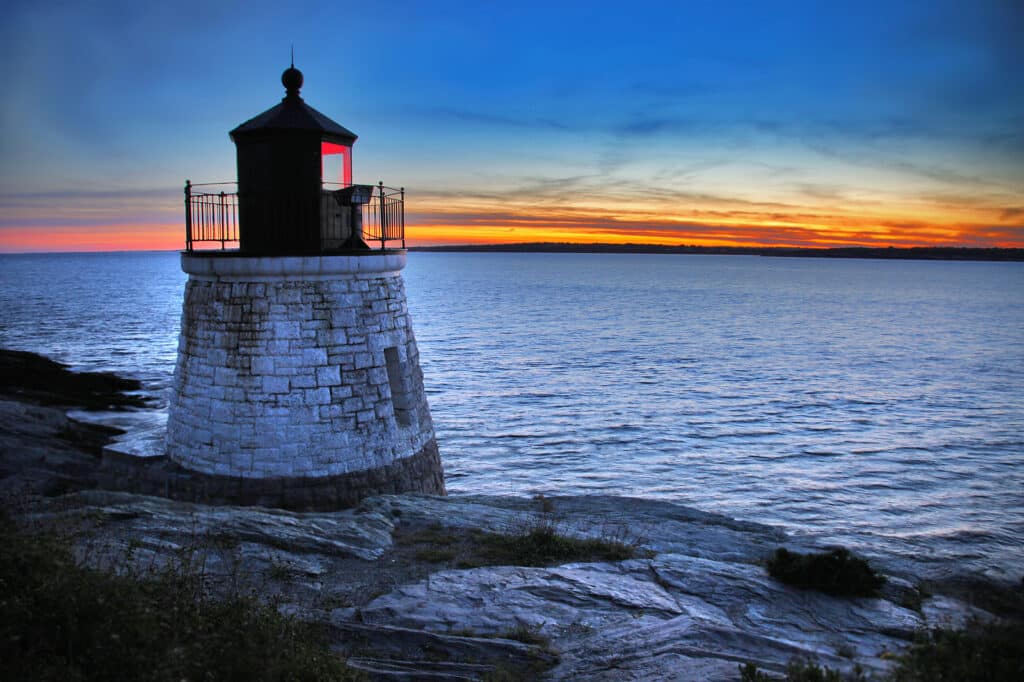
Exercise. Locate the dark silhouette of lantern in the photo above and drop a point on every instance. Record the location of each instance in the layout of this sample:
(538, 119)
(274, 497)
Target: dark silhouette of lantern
(285, 204)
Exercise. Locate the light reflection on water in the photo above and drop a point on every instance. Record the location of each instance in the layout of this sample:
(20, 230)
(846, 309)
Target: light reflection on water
(880, 403)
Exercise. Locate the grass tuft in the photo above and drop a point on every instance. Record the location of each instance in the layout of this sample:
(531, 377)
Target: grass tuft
(538, 542)
(542, 545)
(800, 671)
(528, 634)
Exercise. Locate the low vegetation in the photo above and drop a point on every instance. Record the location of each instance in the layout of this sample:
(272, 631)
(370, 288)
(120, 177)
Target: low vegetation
(798, 671)
(982, 652)
(528, 634)
(62, 621)
(539, 543)
(837, 572)
(543, 545)
(990, 652)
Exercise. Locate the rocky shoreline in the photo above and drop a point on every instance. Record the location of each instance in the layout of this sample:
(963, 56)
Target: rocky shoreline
(402, 588)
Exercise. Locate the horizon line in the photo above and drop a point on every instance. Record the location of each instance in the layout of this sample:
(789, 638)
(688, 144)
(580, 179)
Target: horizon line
(603, 246)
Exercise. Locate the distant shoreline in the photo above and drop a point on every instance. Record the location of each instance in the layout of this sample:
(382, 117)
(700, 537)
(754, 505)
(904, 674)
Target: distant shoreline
(948, 253)
(889, 253)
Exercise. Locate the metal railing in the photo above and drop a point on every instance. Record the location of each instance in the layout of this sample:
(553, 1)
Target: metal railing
(384, 219)
(212, 216)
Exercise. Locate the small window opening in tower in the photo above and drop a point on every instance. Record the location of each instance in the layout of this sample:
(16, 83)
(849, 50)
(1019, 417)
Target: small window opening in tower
(400, 398)
(336, 163)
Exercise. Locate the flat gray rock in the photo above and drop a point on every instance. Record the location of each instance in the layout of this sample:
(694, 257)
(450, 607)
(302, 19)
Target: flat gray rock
(694, 605)
(161, 522)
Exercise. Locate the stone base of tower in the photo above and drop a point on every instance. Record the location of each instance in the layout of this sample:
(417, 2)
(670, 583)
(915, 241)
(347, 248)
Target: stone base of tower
(298, 383)
(420, 473)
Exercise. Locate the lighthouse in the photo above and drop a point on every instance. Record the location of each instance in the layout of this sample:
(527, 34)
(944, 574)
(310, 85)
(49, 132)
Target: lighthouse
(298, 382)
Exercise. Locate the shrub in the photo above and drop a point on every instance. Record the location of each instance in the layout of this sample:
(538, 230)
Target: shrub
(836, 572)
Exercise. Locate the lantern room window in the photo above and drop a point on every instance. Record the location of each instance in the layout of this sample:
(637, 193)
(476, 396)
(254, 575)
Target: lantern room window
(336, 163)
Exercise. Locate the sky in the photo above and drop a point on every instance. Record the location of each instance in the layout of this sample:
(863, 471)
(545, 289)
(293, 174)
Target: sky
(712, 123)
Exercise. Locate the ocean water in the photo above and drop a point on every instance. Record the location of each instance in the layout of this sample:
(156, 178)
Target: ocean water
(875, 403)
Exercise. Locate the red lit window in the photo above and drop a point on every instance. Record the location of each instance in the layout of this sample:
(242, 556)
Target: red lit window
(335, 163)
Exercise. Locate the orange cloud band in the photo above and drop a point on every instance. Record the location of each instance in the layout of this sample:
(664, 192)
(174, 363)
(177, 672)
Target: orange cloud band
(454, 219)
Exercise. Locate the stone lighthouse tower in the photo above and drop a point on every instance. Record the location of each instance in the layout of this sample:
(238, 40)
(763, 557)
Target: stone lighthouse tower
(298, 381)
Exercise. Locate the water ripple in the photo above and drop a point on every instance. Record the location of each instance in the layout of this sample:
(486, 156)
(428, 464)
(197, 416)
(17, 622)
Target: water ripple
(872, 403)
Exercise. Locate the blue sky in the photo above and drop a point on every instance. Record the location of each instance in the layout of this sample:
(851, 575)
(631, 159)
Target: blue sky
(901, 120)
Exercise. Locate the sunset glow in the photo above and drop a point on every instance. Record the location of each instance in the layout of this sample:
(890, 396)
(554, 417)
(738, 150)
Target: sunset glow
(91, 238)
(812, 125)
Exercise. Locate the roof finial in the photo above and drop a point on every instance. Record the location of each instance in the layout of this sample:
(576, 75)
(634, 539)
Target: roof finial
(291, 79)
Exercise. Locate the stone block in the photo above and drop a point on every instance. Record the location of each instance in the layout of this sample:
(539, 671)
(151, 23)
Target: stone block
(217, 357)
(263, 364)
(340, 392)
(296, 399)
(223, 376)
(273, 384)
(286, 364)
(328, 376)
(343, 317)
(286, 329)
(314, 357)
(318, 396)
(330, 411)
(288, 295)
(303, 381)
(222, 412)
(229, 434)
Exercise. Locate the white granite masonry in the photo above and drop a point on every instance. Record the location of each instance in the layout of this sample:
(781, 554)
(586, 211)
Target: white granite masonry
(296, 367)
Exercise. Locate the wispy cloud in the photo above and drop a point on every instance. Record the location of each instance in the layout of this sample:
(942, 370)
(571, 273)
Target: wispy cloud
(646, 127)
(24, 198)
(490, 119)
(45, 209)
(862, 158)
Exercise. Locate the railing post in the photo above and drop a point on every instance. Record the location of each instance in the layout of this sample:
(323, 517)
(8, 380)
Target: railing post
(188, 215)
(383, 215)
(223, 223)
(401, 210)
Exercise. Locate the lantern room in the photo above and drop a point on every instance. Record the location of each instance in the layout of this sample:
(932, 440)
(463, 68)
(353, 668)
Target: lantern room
(295, 194)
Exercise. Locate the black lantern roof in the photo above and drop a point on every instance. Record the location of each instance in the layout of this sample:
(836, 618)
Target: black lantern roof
(293, 114)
